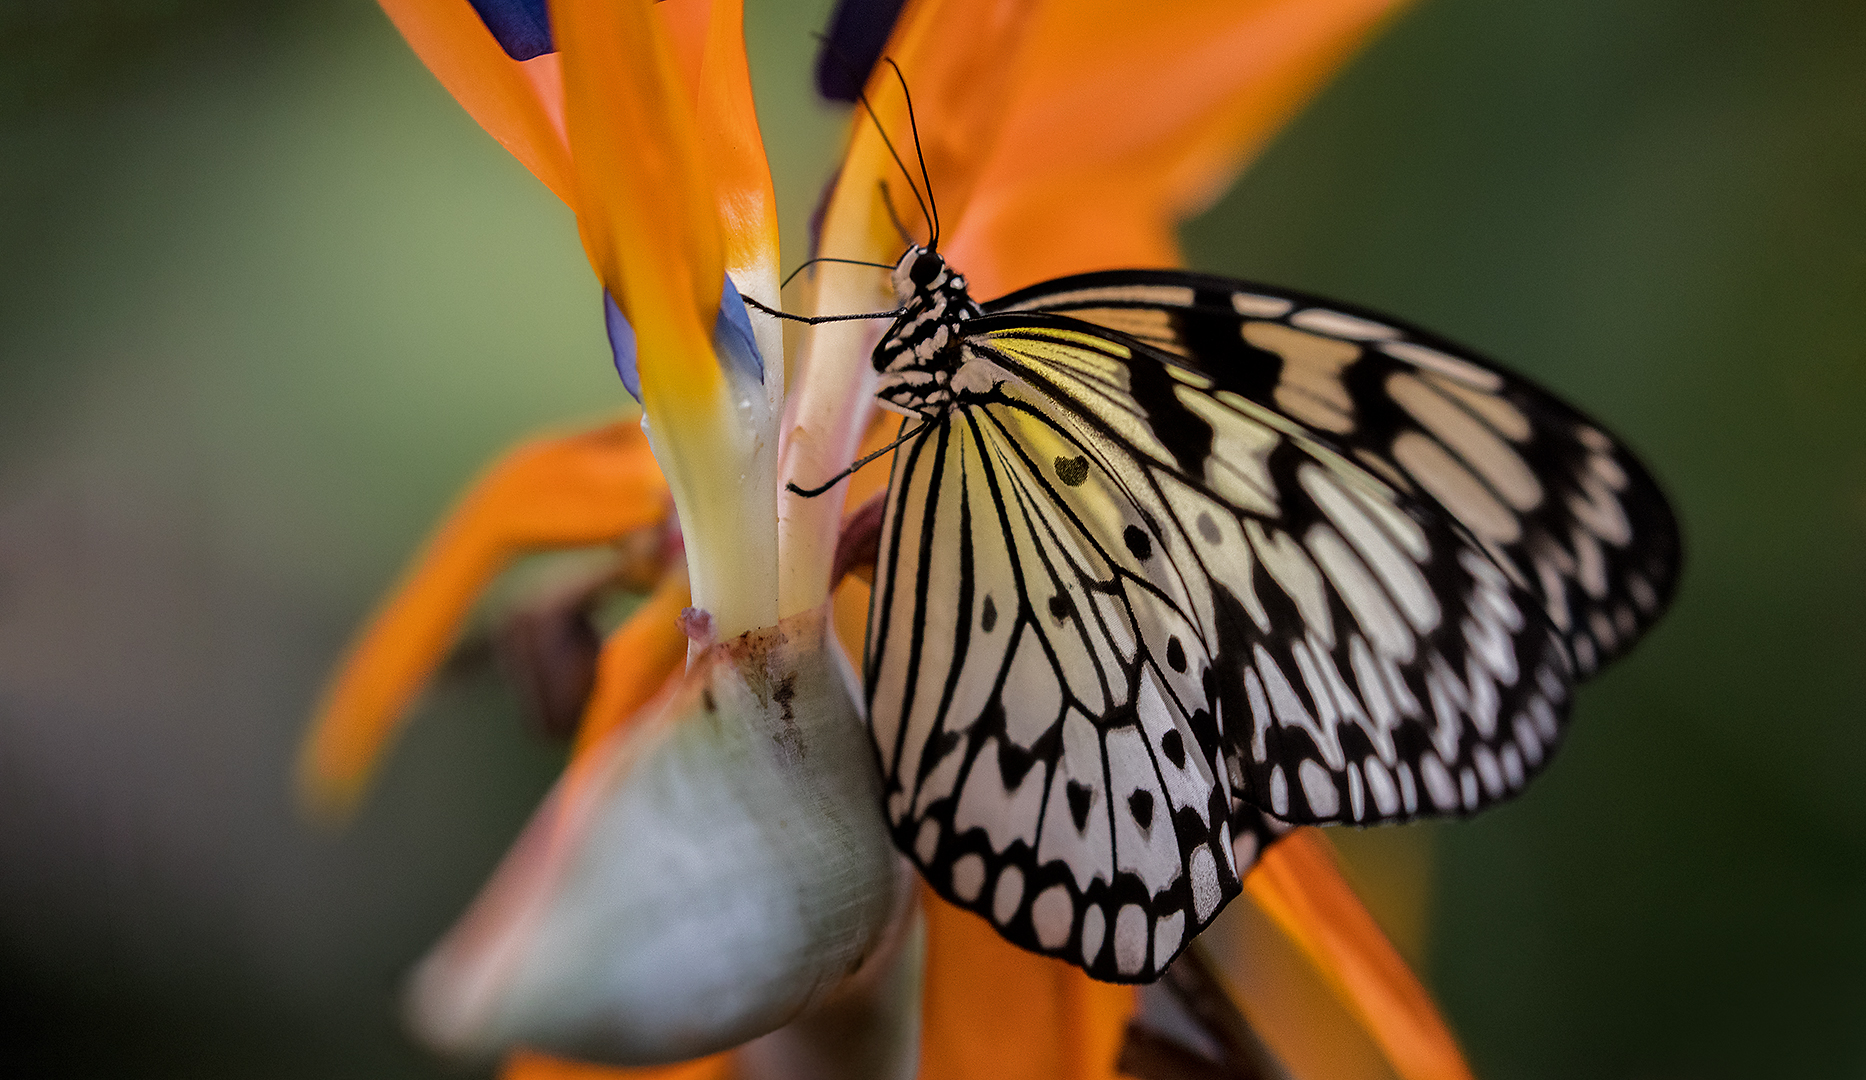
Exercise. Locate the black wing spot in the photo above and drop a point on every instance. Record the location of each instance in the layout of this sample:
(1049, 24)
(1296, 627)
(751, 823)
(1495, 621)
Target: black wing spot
(1138, 542)
(1061, 607)
(1140, 804)
(989, 617)
(1176, 655)
(1080, 797)
(1174, 748)
(1013, 762)
(1209, 528)
(1072, 471)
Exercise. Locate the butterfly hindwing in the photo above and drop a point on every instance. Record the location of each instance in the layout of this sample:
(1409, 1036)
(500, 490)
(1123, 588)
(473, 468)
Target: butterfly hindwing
(1037, 766)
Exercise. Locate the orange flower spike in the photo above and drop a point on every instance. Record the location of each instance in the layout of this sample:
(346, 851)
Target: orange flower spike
(568, 491)
(1298, 884)
(520, 103)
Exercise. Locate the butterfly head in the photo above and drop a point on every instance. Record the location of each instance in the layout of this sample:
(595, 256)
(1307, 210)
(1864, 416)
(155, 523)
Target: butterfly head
(921, 272)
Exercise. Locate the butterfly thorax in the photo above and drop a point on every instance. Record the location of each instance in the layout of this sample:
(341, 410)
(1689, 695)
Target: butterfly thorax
(920, 354)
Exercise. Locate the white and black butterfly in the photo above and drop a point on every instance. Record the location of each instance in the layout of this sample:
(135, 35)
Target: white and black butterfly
(1169, 560)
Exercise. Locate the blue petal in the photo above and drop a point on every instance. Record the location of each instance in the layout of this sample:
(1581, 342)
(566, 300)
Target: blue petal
(622, 344)
(732, 339)
(522, 27)
(732, 335)
(857, 33)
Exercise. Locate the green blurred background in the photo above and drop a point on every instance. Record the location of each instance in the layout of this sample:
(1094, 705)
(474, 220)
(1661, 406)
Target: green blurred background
(268, 297)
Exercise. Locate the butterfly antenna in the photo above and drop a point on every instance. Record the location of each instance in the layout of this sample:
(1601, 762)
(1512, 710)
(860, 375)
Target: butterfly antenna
(902, 165)
(862, 96)
(811, 493)
(914, 126)
(812, 320)
(825, 258)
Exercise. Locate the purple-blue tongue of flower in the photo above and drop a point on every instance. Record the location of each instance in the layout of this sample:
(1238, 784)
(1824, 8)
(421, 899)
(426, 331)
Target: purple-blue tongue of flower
(732, 338)
(522, 27)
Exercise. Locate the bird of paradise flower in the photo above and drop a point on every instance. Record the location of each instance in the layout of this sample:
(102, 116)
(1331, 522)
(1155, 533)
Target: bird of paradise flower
(712, 867)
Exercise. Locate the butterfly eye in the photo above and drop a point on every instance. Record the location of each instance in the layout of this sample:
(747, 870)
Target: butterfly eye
(926, 268)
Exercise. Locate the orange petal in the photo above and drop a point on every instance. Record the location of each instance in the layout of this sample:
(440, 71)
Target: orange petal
(1126, 120)
(636, 660)
(531, 1065)
(872, 479)
(959, 94)
(708, 38)
(644, 200)
(566, 491)
(959, 99)
(687, 22)
(520, 103)
(992, 1009)
(1299, 886)
(735, 148)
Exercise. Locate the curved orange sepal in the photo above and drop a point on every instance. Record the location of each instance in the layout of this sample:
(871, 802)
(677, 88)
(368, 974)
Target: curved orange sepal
(992, 1009)
(520, 103)
(1298, 884)
(567, 491)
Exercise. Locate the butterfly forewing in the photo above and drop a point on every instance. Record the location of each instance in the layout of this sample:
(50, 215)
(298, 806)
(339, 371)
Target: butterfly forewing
(1550, 496)
(1186, 560)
